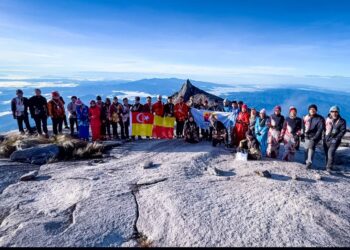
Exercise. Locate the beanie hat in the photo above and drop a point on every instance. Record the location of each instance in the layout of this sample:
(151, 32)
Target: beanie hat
(292, 108)
(334, 108)
(277, 108)
(98, 98)
(244, 106)
(263, 111)
(19, 91)
(92, 101)
(313, 106)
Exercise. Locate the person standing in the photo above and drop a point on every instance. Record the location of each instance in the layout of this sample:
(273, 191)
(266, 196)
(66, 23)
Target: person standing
(38, 111)
(181, 115)
(240, 104)
(312, 129)
(56, 112)
(169, 108)
(72, 110)
(242, 125)
(137, 107)
(291, 132)
(235, 111)
(158, 107)
(19, 107)
(335, 130)
(147, 107)
(227, 106)
(126, 116)
(65, 122)
(103, 116)
(274, 136)
(83, 120)
(252, 120)
(95, 120)
(115, 116)
(215, 107)
(108, 122)
(261, 130)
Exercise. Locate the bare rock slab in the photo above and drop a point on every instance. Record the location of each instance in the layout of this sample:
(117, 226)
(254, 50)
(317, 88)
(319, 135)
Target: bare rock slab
(38, 155)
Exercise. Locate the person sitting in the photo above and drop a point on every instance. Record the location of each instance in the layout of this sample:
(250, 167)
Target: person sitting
(219, 131)
(191, 131)
(251, 146)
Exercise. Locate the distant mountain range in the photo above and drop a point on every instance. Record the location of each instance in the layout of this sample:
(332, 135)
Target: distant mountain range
(257, 96)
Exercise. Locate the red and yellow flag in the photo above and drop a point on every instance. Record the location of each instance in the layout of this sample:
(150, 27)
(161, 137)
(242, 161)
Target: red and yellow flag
(163, 127)
(141, 124)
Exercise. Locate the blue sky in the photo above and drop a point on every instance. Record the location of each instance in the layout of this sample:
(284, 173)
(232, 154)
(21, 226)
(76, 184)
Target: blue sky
(265, 42)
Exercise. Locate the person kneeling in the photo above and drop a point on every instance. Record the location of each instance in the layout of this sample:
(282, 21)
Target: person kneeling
(251, 146)
(191, 131)
(219, 131)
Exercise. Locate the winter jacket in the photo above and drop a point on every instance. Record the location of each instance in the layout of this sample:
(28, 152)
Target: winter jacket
(104, 111)
(158, 108)
(55, 109)
(115, 112)
(83, 115)
(19, 106)
(292, 127)
(276, 122)
(252, 121)
(335, 130)
(241, 127)
(181, 111)
(38, 106)
(72, 110)
(261, 126)
(169, 109)
(137, 107)
(313, 127)
(147, 108)
(126, 112)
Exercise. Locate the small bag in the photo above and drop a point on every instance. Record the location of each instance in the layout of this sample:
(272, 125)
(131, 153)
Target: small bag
(240, 156)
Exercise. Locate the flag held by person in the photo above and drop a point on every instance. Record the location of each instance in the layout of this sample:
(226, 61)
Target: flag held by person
(141, 124)
(202, 117)
(163, 127)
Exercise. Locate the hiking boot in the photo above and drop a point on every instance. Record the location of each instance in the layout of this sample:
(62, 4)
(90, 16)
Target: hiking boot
(308, 165)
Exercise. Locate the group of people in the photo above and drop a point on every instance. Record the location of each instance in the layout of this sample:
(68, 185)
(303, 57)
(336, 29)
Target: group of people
(256, 132)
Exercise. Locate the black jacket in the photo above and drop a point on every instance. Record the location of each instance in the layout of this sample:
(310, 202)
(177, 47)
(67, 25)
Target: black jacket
(169, 109)
(313, 127)
(335, 129)
(38, 106)
(137, 107)
(14, 105)
(279, 120)
(295, 124)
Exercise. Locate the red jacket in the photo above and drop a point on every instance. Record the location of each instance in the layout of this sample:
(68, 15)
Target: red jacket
(158, 108)
(147, 108)
(181, 111)
(242, 125)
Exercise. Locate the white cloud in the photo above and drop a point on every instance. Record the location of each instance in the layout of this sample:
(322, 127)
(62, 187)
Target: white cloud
(131, 94)
(5, 113)
(6, 102)
(25, 84)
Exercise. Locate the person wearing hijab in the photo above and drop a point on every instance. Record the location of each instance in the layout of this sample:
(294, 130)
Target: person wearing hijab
(56, 111)
(95, 120)
(83, 120)
(242, 125)
(291, 132)
(274, 136)
(261, 130)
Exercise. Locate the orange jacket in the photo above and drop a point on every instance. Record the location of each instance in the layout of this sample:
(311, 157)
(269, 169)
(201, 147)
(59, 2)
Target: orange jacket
(55, 109)
(181, 111)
